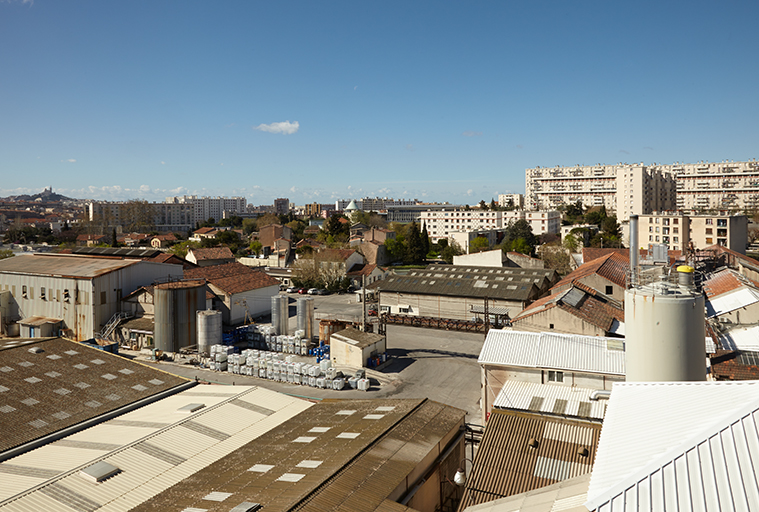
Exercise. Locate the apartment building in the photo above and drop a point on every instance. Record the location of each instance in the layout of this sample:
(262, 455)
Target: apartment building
(374, 204)
(678, 230)
(541, 222)
(441, 223)
(642, 189)
(211, 207)
(137, 215)
(281, 206)
(508, 200)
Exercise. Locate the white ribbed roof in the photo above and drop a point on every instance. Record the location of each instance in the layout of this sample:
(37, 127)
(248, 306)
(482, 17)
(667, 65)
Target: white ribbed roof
(741, 338)
(678, 447)
(727, 302)
(154, 447)
(549, 350)
(517, 394)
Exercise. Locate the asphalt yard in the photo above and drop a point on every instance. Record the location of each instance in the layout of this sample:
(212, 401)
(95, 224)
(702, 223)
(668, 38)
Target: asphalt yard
(424, 363)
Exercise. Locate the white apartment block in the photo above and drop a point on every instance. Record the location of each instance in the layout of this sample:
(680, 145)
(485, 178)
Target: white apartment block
(443, 223)
(210, 207)
(167, 217)
(678, 230)
(641, 189)
(515, 200)
(374, 204)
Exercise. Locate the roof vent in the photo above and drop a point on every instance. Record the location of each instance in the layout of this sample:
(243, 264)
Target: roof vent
(582, 451)
(533, 443)
(246, 506)
(99, 472)
(36, 350)
(190, 408)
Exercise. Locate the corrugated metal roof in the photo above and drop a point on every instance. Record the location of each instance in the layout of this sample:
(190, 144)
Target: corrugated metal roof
(592, 354)
(67, 383)
(678, 447)
(336, 455)
(123, 252)
(460, 281)
(549, 398)
(155, 447)
(506, 465)
(63, 265)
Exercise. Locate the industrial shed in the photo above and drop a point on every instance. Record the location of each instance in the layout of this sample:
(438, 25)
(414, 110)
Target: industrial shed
(84, 292)
(351, 347)
(459, 293)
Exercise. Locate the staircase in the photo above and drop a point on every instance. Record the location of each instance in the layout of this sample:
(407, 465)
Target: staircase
(110, 327)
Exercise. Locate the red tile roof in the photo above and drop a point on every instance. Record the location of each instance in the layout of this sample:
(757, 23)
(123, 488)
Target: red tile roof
(592, 308)
(338, 254)
(725, 280)
(204, 231)
(612, 267)
(593, 253)
(213, 253)
(726, 366)
(725, 251)
(167, 257)
(361, 269)
(232, 277)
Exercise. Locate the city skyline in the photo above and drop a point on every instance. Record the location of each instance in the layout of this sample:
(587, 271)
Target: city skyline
(319, 102)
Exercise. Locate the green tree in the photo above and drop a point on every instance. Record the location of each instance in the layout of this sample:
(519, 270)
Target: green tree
(249, 226)
(425, 240)
(114, 240)
(483, 205)
(414, 248)
(451, 250)
(521, 245)
(396, 249)
(6, 253)
(256, 247)
(479, 244)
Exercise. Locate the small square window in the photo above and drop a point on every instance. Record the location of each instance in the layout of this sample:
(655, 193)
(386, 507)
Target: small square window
(554, 376)
(609, 290)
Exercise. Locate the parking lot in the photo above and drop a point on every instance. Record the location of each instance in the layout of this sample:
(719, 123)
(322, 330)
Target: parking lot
(424, 363)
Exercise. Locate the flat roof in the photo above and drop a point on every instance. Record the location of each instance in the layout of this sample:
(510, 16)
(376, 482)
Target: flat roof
(357, 338)
(66, 383)
(339, 454)
(63, 265)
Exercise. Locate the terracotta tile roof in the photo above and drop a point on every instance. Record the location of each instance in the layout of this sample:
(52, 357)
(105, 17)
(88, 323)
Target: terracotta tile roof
(204, 231)
(727, 365)
(612, 267)
(232, 277)
(167, 257)
(593, 253)
(725, 280)
(724, 250)
(520, 255)
(338, 254)
(361, 269)
(168, 237)
(592, 307)
(213, 253)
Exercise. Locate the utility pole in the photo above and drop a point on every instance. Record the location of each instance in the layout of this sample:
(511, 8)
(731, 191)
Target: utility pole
(487, 317)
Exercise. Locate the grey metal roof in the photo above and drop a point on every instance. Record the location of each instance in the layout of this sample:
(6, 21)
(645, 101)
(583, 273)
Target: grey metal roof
(592, 354)
(337, 455)
(63, 265)
(464, 281)
(67, 383)
(124, 252)
(552, 398)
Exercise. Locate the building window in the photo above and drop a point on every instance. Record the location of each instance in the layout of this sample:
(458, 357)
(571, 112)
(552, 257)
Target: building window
(675, 239)
(708, 231)
(709, 240)
(709, 222)
(23, 292)
(665, 222)
(554, 376)
(675, 230)
(609, 290)
(650, 229)
(42, 293)
(675, 221)
(550, 326)
(102, 298)
(722, 223)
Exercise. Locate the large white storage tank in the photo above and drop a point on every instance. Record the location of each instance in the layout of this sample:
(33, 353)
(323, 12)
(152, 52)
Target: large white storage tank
(175, 305)
(280, 314)
(209, 330)
(665, 331)
(306, 316)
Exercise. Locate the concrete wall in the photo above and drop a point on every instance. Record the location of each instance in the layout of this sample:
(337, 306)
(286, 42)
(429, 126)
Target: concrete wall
(599, 283)
(343, 353)
(557, 320)
(494, 258)
(233, 308)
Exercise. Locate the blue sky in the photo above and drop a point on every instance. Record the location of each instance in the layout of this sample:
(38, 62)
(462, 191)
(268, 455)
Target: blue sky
(315, 101)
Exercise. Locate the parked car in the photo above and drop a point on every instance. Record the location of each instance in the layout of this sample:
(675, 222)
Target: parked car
(302, 291)
(322, 291)
(313, 291)
(292, 289)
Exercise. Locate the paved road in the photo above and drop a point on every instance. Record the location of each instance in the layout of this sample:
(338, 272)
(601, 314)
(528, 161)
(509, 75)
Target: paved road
(440, 365)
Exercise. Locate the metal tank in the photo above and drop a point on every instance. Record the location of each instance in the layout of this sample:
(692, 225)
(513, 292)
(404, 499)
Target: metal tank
(306, 317)
(209, 329)
(280, 314)
(175, 320)
(665, 330)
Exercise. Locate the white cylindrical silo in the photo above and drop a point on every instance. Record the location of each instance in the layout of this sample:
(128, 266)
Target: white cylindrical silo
(664, 333)
(209, 330)
(279, 314)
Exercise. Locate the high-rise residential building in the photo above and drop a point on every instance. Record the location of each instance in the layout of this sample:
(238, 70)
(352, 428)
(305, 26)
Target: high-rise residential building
(678, 231)
(142, 216)
(211, 207)
(374, 204)
(511, 200)
(444, 222)
(640, 189)
(281, 206)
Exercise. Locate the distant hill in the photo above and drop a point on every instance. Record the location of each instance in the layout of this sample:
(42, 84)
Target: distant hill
(46, 195)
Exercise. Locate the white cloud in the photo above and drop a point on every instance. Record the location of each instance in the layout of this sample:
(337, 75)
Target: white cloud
(410, 147)
(469, 192)
(470, 133)
(70, 160)
(284, 127)
(144, 188)
(293, 189)
(355, 87)
(163, 163)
